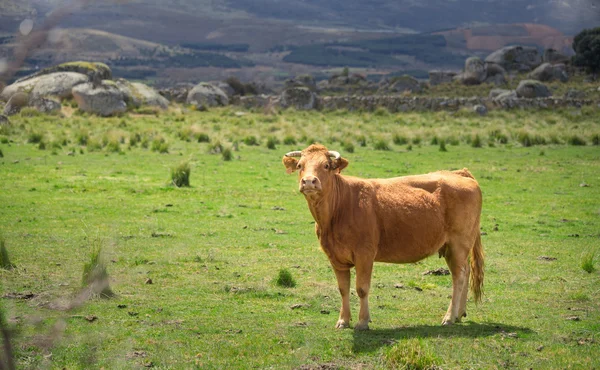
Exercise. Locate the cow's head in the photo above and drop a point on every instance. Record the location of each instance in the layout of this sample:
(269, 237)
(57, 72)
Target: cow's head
(316, 167)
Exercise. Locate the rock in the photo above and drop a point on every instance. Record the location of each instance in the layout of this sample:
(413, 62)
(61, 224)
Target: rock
(480, 109)
(495, 92)
(495, 74)
(16, 103)
(497, 80)
(401, 84)
(353, 79)
(299, 98)
(553, 56)
(575, 94)
(507, 97)
(149, 96)
(106, 99)
(178, 93)
(46, 105)
(95, 72)
(205, 95)
(544, 73)
(475, 71)
(437, 77)
(515, 58)
(59, 84)
(559, 72)
(227, 89)
(4, 121)
(532, 89)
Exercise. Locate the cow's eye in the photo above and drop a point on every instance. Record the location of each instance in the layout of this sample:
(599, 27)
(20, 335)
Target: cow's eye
(299, 166)
(326, 166)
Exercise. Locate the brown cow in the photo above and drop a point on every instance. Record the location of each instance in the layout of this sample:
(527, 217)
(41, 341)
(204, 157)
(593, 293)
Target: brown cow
(397, 220)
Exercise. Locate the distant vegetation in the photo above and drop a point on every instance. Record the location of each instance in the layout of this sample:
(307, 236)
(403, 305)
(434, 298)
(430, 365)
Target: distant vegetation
(191, 60)
(215, 47)
(372, 53)
(587, 49)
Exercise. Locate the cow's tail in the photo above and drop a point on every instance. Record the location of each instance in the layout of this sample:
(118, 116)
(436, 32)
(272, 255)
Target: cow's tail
(477, 269)
(464, 173)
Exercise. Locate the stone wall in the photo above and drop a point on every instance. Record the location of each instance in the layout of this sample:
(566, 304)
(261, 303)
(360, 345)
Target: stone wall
(405, 104)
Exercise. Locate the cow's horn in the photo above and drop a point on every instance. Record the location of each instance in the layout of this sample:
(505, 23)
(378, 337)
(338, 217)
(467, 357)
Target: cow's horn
(334, 154)
(295, 153)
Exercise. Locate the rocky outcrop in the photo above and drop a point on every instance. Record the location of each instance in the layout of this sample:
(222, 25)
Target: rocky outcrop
(106, 99)
(95, 72)
(301, 98)
(532, 89)
(437, 77)
(516, 58)
(475, 71)
(17, 102)
(178, 93)
(205, 95)
(59, 84)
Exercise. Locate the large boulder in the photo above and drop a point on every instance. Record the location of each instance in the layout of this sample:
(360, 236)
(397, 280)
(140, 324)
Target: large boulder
(178, 93)
(17, 102)
(94, 71)
(553, 56)
(298, 97)
(401, 84)
(516, 58)
(206, 95)
(495, 74)
(532, 89)
(138, 94)
(475, 71)
(104, 99)
(59, 84)
(548, 72)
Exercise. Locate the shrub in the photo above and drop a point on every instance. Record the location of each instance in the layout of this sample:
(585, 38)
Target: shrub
(202, 137)
(416, 140)
(362, 140)
(215, 148)
(134, 139)
(272, 142)
(476, 142)
(596, 139)
(180, 175)
(587, 49)
(95, 275)
(1, 154)
(160, 145)
(443, 146)
(227, 155)
(381, 145)
(576, 140)
(285, 279)
(587, 262)
(348, 147)
(4, 260)
(410, 354)
(400, 139)
(251, 140)
(82, 137)
(435, 140)
(35, 137)
(289, 140)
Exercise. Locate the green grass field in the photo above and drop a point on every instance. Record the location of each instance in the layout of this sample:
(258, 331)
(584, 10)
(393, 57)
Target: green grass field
(214, 250)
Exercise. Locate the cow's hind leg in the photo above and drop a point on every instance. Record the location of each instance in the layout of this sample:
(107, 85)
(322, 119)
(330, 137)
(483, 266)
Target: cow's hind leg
(457, 260)
(343, 279)
(364, 270)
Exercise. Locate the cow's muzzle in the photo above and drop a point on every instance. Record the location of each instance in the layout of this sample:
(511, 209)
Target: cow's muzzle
(310, 184)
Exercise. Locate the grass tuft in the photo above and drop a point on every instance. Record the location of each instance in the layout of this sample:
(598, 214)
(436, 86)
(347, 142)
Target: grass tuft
(410, 354)
(4, 259)
(227, 154)
(576, 140)
(381, 145)
(443, 145)
(180, 175)
(285, 279)
(476, 142)
(272, 142)
(251, 140)
(587, 262)
(95, 275)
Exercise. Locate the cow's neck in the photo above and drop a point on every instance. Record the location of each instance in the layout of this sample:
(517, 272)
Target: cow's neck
(323, 208)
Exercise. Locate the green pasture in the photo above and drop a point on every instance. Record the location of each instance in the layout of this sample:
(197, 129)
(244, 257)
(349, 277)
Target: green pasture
(214, 251)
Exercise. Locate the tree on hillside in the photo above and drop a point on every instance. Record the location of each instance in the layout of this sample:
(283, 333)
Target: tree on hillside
(587, 49)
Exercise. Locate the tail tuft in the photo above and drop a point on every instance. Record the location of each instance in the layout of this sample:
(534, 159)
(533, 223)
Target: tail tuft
(477, 262)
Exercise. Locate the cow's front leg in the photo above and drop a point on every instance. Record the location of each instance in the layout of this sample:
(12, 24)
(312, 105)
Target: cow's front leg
(343, 279)
(363, 284)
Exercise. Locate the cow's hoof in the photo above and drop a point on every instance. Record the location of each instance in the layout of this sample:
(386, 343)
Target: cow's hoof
(447, 323)
(341, 324)
(362, 326)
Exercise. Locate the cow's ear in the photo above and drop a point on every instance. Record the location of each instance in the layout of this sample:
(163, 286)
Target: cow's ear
(291, 164)
(340, 164)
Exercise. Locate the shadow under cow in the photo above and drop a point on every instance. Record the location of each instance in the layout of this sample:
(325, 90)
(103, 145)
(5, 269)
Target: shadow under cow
(372, 340)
